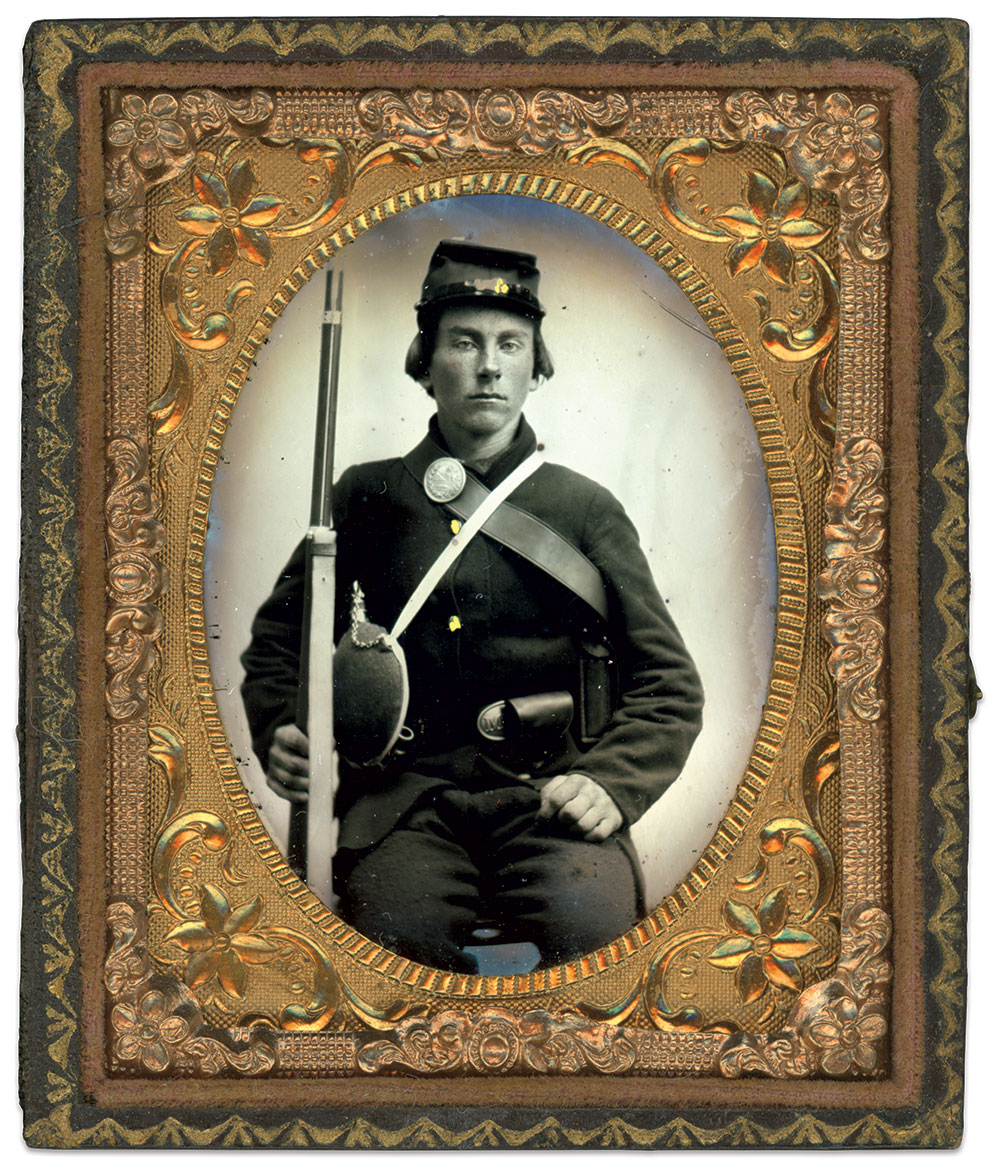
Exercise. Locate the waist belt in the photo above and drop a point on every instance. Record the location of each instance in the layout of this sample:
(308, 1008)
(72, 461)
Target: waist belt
(521, 532)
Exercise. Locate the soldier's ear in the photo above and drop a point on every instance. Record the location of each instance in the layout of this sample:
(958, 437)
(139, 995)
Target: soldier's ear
(425, 381)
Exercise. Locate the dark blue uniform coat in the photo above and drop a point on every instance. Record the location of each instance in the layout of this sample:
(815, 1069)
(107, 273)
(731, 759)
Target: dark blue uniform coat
(496, 627)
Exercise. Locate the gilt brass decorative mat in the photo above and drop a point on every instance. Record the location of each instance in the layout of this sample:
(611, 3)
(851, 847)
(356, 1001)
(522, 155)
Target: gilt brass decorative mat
(804, 187)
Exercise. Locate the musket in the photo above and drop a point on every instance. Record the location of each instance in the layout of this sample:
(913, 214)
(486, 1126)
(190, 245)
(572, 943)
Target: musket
(311, 831)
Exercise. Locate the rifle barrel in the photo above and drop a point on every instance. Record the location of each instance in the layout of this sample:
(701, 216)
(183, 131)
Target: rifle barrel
(331, 412)
(320, 515)
(321, 452)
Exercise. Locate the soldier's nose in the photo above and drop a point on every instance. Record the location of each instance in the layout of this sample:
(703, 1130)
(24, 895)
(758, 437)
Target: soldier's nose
(489, 365)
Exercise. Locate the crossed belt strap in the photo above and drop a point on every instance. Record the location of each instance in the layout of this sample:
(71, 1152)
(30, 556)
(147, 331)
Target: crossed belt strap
(521, 532)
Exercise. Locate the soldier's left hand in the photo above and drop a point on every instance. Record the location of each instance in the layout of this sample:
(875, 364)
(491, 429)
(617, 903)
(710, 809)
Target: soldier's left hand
(581, 805)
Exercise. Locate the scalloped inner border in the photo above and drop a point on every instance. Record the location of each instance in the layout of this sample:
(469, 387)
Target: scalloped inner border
(792, 582)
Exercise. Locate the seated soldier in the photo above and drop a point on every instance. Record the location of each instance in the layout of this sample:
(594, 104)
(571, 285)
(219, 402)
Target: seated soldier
(551, 699)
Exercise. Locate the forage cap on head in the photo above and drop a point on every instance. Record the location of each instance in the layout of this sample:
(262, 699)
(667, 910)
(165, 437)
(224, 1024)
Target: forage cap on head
(469, 273)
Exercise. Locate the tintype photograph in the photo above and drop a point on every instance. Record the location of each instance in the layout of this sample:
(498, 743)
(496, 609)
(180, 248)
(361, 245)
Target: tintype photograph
(528, 670)
(500, 673)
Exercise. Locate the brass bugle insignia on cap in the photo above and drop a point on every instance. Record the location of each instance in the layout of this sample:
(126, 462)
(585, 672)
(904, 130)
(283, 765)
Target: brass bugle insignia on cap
(444, 479)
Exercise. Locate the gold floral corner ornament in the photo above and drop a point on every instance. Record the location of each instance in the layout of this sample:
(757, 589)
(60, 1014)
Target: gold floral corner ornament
(831, 144)
(154, 140)
(758, 955)
(223, 942)
(769, 234)
(213, 938)
(837, 1027)
(156, 1023)
(763, 949)
(770, 228)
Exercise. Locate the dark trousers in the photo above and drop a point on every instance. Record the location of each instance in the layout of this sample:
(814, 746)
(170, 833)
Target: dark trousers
(467, 856)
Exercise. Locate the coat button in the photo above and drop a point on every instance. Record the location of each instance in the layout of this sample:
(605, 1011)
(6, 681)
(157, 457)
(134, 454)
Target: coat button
(454, 624)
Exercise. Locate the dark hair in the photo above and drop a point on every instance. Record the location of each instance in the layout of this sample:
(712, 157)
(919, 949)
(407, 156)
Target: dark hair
(418, 357)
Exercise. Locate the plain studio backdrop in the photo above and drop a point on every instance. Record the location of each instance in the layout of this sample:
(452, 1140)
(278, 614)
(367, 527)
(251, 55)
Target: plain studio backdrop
(642, 401)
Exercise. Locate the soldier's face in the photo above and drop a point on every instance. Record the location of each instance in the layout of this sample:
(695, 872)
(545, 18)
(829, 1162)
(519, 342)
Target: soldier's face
(482, 369)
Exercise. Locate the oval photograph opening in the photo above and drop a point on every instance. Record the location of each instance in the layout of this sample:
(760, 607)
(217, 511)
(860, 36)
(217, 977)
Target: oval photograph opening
(552, 593)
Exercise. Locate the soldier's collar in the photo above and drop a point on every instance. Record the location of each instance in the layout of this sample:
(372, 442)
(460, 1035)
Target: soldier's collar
(497, 469)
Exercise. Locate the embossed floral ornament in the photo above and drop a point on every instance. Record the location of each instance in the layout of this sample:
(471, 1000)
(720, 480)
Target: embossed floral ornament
(764, 949)
(222, 942)
(147, 1032)
(230, 215)
(148, 130)
(771, 228)
(843, 134)
(846, 1034)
